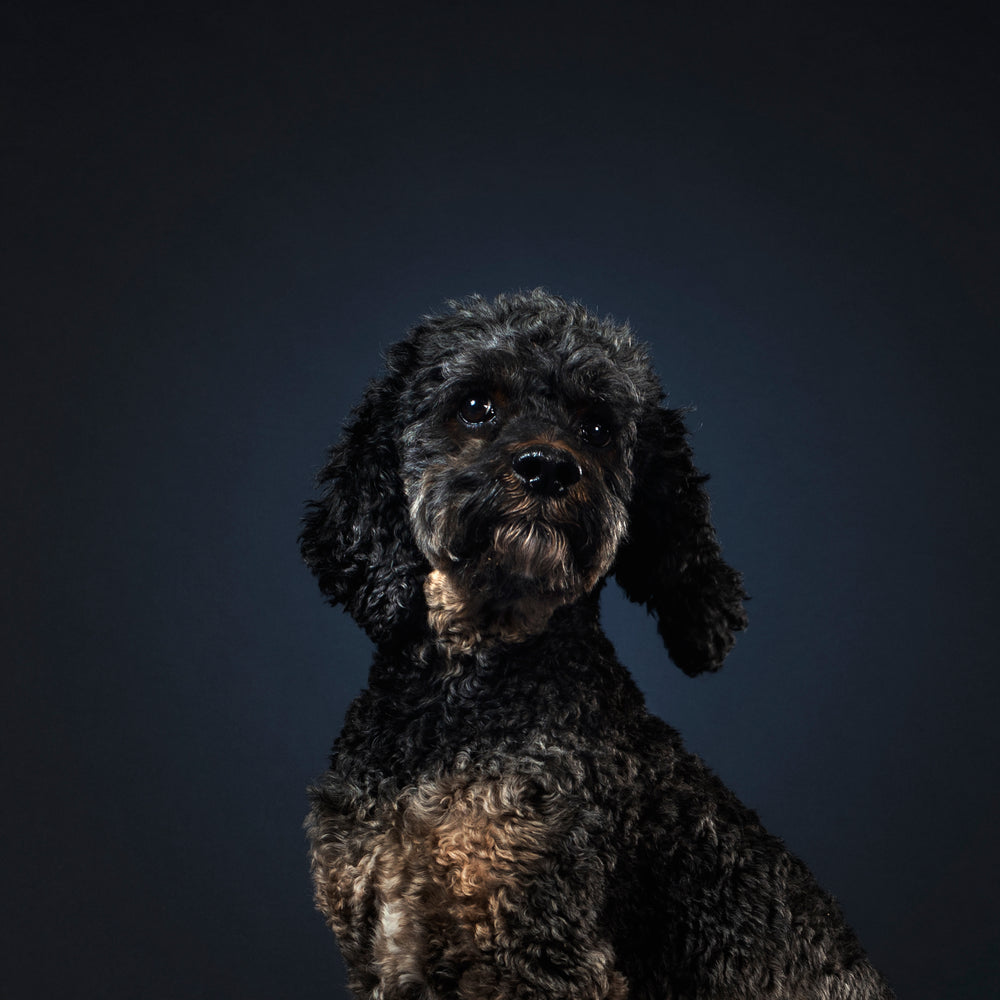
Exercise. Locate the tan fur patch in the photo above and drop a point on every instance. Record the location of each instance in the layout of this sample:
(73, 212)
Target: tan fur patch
(463, 621)
(424, 899)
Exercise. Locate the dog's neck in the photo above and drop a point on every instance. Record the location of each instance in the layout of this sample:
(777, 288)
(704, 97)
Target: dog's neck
(464, 620)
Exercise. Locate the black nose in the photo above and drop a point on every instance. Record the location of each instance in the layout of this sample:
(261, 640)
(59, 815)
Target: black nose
(547, 471)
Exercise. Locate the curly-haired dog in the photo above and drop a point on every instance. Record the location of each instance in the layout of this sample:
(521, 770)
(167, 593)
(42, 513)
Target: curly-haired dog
(502, 818)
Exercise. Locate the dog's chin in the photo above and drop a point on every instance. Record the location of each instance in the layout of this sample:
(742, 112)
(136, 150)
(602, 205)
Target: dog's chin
(518, 557)
(535, 556)
(507, 587)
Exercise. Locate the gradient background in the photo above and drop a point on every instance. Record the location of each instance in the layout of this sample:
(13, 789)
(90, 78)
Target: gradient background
(216, 219)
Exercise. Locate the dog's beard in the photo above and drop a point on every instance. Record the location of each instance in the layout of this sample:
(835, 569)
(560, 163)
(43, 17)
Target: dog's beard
(504, 542)
(503, 560)
(534, 552)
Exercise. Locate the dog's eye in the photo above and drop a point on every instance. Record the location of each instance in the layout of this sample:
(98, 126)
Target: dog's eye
(595, 433)
(476, 410)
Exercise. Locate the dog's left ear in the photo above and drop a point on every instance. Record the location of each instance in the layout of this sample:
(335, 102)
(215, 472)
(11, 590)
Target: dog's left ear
(356, 538)
(671, 560)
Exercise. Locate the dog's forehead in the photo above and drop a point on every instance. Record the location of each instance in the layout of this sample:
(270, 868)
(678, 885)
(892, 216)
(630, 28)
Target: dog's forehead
(574, 361)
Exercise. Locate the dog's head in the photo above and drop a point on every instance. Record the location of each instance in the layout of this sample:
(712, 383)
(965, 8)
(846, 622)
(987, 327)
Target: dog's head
(514, 454)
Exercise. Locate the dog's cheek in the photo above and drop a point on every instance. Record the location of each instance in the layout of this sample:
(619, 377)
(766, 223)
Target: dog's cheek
(610, 537)
(436, 492)
(599, 523)
(426, 513)
(447, 484)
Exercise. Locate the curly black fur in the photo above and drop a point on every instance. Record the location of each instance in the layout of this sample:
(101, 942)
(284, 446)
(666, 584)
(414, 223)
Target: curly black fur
(502, 817)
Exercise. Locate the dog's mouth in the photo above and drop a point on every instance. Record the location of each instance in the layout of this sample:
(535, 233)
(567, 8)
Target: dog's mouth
(533, 530)
(525, 540)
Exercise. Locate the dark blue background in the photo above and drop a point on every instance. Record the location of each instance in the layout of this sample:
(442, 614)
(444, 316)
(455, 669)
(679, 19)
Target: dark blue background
(215, 220)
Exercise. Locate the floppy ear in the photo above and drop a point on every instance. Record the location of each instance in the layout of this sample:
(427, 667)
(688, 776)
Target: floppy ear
(671, 560)
(356, 538)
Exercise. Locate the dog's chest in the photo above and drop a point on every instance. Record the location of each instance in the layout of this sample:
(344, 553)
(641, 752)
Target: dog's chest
(431, 879)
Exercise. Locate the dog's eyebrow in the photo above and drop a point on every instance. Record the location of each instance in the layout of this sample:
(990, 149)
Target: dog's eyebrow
(494, 365)
(598, 382)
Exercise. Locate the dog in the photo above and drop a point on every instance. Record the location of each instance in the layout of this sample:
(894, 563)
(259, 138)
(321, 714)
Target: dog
(502, 818)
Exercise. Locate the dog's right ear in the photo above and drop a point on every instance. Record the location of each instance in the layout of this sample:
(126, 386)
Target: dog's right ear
(356, 537)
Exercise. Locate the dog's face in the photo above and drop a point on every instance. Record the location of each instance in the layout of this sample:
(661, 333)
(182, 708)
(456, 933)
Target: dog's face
(516, 461)
(515, 453)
